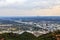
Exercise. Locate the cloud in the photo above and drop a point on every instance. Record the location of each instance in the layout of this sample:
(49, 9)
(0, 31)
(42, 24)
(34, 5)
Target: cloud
(55, 11)
(11, 3)
(28, 4)
(30, 7)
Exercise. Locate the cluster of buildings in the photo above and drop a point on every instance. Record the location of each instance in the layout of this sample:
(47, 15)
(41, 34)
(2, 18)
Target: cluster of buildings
(46, 27)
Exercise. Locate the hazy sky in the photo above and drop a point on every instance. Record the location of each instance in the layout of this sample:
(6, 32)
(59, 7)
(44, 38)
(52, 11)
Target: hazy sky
(29, 7)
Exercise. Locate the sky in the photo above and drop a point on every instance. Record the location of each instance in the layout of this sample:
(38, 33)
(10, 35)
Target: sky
(29, 7)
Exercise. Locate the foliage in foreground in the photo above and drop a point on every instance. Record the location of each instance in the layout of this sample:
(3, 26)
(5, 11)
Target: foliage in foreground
(28, 36)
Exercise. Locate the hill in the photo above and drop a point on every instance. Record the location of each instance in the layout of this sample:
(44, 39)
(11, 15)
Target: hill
(29, 36)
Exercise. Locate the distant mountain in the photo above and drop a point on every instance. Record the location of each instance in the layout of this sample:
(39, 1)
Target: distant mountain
(41, 18)
(30, 19)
